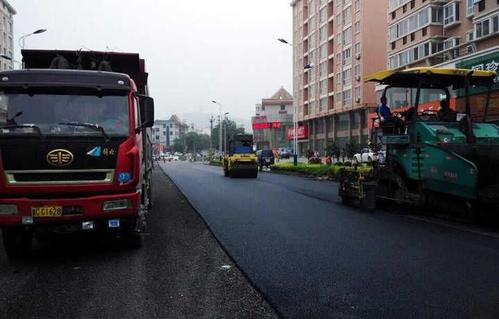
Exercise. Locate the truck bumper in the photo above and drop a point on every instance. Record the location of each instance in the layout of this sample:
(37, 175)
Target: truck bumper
(78, 212)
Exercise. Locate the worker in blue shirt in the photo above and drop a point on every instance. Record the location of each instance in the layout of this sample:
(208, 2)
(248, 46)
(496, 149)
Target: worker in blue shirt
(394, 124)
(384, 112)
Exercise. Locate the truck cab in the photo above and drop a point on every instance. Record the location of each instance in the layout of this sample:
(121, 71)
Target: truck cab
(75, 153)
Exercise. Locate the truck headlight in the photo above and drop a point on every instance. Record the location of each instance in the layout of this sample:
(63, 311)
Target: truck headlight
(116, 204)
(8, 209)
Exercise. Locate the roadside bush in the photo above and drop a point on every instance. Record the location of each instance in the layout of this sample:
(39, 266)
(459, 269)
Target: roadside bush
(216, 162)
(317, 170)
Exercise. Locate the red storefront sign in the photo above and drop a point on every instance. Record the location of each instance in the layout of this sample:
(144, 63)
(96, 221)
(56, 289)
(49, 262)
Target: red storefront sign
(264, 125)
(302, 132)
(260, 126)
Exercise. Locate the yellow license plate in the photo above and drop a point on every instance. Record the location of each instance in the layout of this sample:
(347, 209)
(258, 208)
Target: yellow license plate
(46, 211)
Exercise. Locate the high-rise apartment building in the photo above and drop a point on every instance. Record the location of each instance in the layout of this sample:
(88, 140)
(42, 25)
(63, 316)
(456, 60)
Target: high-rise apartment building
(430, 32)
(335, 44)
(7, 13)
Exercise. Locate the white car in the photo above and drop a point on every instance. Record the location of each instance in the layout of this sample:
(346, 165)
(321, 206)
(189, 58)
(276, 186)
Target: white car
(367, 156)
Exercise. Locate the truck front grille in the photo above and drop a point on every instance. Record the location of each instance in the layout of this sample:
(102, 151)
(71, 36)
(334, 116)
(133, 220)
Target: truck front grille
(59, 176)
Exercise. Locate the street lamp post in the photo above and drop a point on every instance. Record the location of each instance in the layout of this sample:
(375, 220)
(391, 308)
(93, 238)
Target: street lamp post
(295, 118)
(225, 131)
(220, 126)
(22, 39)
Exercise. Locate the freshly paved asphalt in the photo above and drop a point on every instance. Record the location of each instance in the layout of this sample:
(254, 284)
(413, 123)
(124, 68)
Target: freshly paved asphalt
(313, 258)
(181, 272)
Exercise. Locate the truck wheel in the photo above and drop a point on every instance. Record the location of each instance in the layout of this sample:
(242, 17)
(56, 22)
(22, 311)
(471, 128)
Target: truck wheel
(226, 171)
(17, 242)
(254, 174)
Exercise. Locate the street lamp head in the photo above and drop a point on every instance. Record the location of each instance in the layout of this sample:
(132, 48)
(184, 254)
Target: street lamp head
(226, 113)
(6, 57)
(39, 31)
(214, 101)
(283, 41)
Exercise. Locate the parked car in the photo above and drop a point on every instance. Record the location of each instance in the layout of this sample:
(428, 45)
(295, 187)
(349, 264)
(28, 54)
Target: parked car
(284, 153)
(265, 158)
(367, 156)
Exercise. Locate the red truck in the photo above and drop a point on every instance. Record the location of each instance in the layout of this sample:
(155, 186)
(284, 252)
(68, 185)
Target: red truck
(75, 150)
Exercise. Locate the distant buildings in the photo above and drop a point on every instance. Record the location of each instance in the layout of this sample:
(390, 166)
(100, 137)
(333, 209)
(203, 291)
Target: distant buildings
(7, 13)
(335, 44)
(273, 117)
(165, 132)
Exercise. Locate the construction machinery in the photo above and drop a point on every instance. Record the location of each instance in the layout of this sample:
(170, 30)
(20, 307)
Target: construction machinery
(240, 159)
(431, 158)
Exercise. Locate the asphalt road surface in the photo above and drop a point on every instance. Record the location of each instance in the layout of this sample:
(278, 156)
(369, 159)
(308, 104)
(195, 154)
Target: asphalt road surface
(313, 258)
(181, 272)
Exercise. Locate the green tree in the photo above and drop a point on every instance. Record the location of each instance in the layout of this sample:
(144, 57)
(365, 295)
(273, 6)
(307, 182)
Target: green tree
(178, 145)
(231, 128)
(192, 142)
(351, 148)
(333, 150)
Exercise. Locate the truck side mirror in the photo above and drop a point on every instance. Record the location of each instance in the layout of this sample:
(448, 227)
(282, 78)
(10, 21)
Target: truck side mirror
(146, 110)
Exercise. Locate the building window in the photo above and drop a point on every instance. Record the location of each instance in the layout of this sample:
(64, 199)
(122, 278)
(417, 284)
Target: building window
(343, 121)
(356, 48)
(487, 26)
(415, 21)
(283, 107)
(323, 69)
(481, 5)
(347, 76)
(357, 5)
(323, 15)
(347, 56)
(347, 97)
(323, 104)
(323, 51)
(357, 93)
(413, 36)
(424, 31)
(347, 15)
(469, 7)
(357, 70)
(323, 34)
(357, 27)
(415, 53)
(347, 36)
(451, 13)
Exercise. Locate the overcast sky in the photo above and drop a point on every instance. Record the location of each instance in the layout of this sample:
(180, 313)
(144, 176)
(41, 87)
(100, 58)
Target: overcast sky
(195, 51)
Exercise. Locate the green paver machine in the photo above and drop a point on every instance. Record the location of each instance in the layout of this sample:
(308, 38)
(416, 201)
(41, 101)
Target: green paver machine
(431, 159)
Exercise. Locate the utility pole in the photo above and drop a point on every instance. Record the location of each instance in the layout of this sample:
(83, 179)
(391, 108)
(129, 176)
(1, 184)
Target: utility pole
(212, 119)
(220, 107)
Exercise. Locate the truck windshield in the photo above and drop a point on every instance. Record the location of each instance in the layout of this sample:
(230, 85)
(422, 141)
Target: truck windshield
(50, 112)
